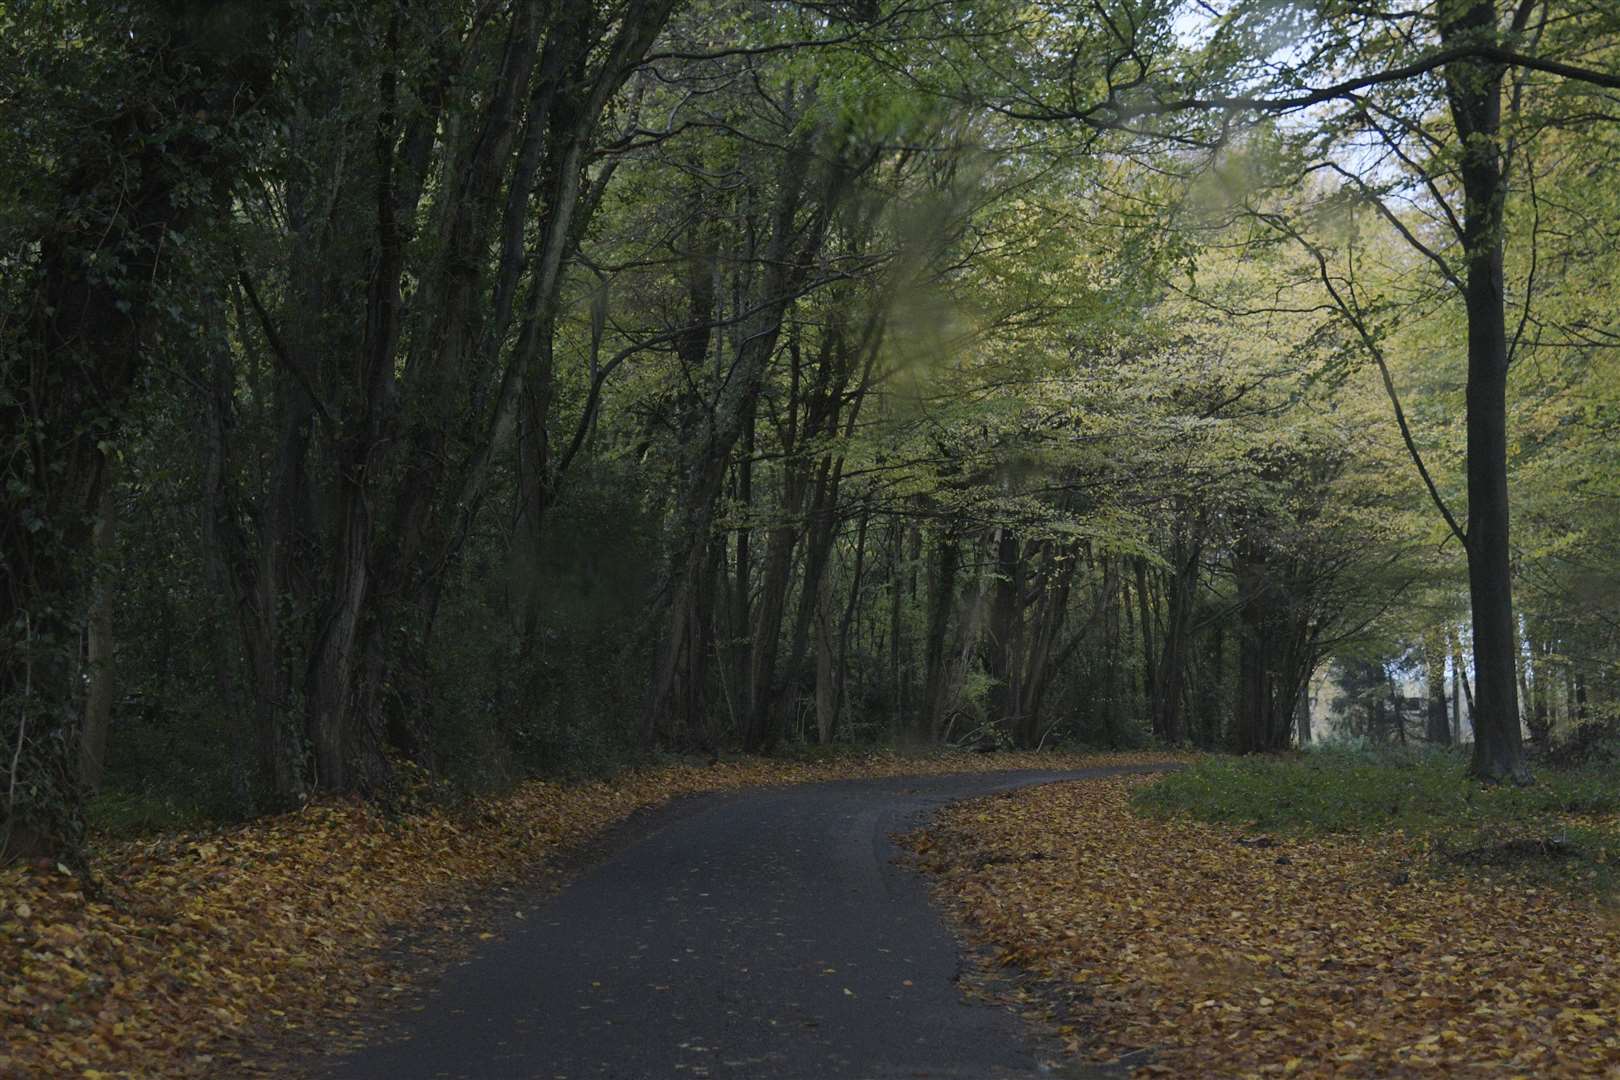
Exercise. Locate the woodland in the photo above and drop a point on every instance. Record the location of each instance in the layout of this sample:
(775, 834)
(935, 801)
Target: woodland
(433, 432)
(473, 390)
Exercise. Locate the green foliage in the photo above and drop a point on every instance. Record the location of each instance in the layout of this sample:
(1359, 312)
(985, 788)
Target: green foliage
(123, 812)
(1557, 829)
(1354, 788)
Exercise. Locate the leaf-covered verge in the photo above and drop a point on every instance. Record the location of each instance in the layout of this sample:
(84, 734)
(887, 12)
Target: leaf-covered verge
(203, 948)
(1219, 952)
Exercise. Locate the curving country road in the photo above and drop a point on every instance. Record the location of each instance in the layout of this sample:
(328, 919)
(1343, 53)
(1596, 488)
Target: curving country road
(762, 934)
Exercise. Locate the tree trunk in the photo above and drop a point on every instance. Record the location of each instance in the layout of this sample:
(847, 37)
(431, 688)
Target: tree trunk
(1005, 639)
(897, 668)
(1437, 729)
(740, 653)
(1304, 723)
(1397, 713)
(1044, 658)
(1466, 698)
(64, 389)
(1145, 622)
(826, 663)
(1116, 612)
(851, 607)
(101, 647)
(941, 601)
(1474, 89)
(1167, 701)
(1249, 734)
(787, 257)
(776, 576)
(1457, 692)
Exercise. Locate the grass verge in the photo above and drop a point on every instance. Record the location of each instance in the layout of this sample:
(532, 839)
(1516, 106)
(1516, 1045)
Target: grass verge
(1563, 829)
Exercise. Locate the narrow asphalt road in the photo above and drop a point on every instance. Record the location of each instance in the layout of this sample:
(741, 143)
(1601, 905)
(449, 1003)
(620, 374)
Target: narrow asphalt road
(765, 934)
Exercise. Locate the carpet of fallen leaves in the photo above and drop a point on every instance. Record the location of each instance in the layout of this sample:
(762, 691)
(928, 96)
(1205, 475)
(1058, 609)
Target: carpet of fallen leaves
(197, 948)
(1204, 951)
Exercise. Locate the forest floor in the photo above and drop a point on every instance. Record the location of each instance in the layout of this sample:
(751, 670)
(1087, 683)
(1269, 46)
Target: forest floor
(196, 951)
(1192, 948)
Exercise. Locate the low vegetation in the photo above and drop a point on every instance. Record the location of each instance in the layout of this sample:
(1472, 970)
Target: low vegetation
(1561, 828)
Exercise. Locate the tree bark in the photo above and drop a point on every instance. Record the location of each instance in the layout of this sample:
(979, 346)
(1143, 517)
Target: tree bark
(1474, 90)
(1252, 720)
(1005, 639)
(101, 649)
(1437, 729)
(826, 664)
(941, 602)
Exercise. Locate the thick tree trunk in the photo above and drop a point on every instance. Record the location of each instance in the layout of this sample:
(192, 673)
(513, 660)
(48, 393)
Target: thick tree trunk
(1474, 89)
(1167, 700)
(330, 683)
(1251, 719)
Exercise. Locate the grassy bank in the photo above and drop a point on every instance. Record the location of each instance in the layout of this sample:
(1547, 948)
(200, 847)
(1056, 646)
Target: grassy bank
(1564, 828)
